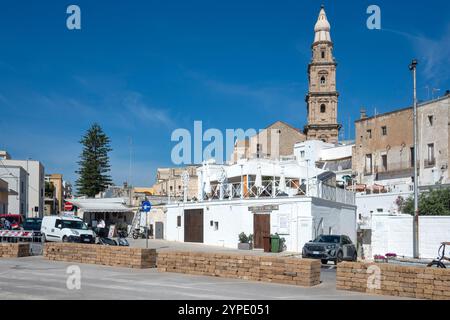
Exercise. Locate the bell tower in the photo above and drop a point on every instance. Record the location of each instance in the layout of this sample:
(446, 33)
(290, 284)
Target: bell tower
(322, 98)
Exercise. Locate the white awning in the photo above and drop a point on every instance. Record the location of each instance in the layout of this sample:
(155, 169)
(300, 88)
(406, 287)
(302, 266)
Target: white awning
(101, 205)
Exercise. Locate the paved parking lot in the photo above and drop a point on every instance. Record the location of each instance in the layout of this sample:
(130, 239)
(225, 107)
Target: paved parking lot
(37, 278)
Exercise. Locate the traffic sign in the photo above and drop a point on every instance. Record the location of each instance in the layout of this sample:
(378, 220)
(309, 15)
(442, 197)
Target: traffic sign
(146, 206)
(68, 206)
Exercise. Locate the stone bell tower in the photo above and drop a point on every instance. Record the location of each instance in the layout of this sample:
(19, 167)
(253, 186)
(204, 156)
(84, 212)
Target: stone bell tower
(322, 98)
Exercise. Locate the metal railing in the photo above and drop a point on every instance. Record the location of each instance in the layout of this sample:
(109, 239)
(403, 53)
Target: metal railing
(274, 188)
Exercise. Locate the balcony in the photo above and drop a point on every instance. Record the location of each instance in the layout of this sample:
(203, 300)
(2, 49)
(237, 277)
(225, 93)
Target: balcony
(394, 171)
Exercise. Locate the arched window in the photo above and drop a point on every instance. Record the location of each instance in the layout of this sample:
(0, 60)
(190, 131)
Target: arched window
(323, 108)
(322, 80)
(323, 54)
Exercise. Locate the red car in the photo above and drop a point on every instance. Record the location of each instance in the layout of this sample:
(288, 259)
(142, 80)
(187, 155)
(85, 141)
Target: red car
(15, 220)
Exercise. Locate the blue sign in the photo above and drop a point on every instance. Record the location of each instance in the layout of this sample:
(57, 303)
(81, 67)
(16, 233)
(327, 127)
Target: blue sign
(146, 206)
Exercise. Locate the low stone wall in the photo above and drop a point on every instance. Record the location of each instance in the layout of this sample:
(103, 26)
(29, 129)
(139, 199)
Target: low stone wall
(302, 272)
(394, 280)
(14, 250)
(98, 254)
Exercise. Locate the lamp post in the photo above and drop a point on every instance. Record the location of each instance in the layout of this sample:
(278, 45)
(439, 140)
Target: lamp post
(412, 67)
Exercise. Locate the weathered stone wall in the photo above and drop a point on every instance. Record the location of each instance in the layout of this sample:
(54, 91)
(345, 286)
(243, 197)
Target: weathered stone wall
(104, 255)
(14, 250)
(302, 272)
(394, 280)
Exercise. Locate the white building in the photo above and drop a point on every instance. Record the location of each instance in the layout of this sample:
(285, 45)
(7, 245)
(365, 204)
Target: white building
(328, 157)
(262, 197)
(16, 177)
(36, 185)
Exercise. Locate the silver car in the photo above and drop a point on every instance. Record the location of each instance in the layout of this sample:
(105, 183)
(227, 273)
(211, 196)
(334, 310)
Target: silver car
(334, 248)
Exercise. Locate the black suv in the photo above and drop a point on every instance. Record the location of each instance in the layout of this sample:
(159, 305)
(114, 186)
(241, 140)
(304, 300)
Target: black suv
(334, 248)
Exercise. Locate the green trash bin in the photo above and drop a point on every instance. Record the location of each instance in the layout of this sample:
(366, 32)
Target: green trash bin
(275, 243)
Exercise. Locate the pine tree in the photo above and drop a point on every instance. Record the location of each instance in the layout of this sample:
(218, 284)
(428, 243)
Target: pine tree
(94, 162)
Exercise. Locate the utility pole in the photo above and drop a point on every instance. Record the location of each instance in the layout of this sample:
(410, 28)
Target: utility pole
(413, 67)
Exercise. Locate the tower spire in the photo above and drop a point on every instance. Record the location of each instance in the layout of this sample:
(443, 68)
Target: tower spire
(322, 97)
(322, 27)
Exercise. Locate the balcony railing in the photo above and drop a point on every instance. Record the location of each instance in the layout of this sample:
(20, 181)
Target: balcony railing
(273, 189)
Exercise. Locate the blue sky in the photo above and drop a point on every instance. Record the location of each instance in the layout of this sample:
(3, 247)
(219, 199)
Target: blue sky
(144, 68)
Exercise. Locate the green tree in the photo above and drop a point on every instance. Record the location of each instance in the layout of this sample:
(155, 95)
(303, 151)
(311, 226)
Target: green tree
(49, 189)
(433, 203)
(94, 162)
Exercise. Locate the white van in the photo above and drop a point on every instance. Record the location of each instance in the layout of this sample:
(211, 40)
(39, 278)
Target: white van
(65, 229)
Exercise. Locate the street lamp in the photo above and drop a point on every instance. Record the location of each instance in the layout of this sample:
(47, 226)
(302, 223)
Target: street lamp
(412, 67)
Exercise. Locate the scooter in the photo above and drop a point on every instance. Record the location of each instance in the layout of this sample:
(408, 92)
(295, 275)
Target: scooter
(121, 241)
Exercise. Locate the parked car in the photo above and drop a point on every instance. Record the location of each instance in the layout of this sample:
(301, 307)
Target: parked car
(32, 224)
(334, 248)
(66, 229)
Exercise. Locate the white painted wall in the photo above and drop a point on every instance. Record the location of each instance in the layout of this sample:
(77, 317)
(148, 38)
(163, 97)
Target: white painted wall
(394, 234)
(382, 203)
(294, 220)
(35, 184)
(16, 178)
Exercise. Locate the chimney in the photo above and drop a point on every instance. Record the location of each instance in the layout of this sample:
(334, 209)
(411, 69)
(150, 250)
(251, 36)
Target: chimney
(362, 112)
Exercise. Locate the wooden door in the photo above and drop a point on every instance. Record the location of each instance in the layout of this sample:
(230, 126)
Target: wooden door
(193, 225)
(261, 228)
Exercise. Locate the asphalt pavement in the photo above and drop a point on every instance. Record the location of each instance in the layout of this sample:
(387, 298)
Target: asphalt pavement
(37, 278)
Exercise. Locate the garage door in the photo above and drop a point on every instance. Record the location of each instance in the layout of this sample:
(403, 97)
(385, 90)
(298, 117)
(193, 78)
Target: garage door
(193, 225)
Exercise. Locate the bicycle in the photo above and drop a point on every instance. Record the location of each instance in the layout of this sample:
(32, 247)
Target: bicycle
(441, 257)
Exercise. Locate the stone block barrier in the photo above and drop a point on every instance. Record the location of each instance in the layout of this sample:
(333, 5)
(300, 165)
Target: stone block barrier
(14, 250)
(394, 280)
(115, 256)
(294, 271)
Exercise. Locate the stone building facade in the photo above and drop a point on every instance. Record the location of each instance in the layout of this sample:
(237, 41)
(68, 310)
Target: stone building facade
(322, 98)
(169, 181)
(384, 150)
(273, 142)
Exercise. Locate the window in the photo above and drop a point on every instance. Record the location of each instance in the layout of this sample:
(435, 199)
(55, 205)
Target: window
(323, 108)
(178, 221)
(412, 156)
(57, 222)
(322, 80)
(384, 161)
(323, 54)
(258, 150)
(384, 130)
(302, 154)
(171, 188)
(368, 167)
(216, 225)
(430, 149)
(211, 223)
(430, 120)
(369, 133)
(346, 240)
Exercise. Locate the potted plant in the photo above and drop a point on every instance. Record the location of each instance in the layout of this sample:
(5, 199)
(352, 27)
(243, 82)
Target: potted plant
(245, 242)
(379, 258)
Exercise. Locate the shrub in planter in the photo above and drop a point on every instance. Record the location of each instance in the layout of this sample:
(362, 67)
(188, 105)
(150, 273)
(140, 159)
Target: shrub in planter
(245, 242)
